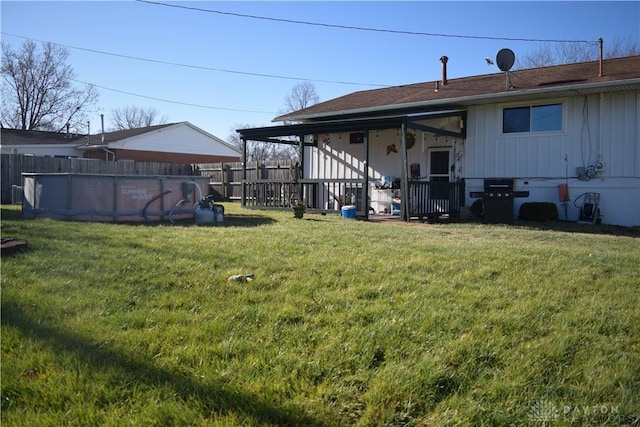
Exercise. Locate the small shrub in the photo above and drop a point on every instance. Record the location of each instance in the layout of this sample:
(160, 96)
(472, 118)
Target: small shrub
(538, 211)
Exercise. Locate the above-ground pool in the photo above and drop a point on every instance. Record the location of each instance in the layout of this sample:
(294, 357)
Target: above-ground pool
(111, 198)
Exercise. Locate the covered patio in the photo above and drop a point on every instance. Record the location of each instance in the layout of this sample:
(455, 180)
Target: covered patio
(412, 196)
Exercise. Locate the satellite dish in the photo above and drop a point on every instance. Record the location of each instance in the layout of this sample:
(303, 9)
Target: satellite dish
(505, 59)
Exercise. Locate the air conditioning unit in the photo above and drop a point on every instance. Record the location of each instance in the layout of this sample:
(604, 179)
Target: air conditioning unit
(16, 194)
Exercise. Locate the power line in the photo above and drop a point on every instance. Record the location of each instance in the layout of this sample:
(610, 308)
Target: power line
(351, 27)
(199, 67)
(173, 102)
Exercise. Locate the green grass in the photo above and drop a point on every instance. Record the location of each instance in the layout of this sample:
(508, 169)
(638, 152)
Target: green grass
(347, 323)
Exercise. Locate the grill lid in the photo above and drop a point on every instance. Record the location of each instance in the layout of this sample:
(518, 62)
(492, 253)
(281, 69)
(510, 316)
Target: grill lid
(499, 184)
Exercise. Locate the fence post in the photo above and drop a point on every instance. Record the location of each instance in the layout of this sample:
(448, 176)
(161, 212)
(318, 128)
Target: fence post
(224, 181)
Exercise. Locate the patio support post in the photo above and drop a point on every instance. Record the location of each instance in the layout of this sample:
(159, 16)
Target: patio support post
(244, 172)
(365, 190)
(404, 179)
(300, 171)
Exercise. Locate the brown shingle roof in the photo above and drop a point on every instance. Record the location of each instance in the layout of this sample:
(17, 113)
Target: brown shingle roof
(29, 137)
(522, 80)
(124, 134)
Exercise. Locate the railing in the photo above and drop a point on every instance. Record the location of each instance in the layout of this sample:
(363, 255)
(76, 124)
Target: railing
(433, 199)
(319, 195)
(427, 200)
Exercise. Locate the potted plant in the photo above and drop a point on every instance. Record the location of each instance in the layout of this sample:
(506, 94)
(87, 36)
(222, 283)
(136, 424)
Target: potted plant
(298, 207)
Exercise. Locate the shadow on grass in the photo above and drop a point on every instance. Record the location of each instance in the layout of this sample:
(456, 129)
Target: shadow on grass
(574, 227)
(215, 400)
(233, 220)
(12, 213)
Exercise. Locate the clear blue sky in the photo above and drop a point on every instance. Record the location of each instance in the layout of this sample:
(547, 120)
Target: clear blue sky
(323, 55)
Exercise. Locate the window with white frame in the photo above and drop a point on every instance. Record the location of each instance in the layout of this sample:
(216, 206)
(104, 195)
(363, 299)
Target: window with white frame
(533, 118)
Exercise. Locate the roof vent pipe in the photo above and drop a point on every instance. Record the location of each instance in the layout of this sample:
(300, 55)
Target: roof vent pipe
(600, 72)
(102, 122)
(444, 60)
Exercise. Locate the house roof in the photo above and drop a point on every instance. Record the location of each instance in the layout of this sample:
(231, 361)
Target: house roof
(120, 139)
(29, 137)
(119, 135)
(84, 142)
(35, 137)
(617, 74)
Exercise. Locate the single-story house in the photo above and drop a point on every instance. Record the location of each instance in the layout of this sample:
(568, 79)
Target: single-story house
(171, 143)
(40, 143)
(566, 134)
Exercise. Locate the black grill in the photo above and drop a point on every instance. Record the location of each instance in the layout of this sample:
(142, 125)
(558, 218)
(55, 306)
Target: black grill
(498, 198)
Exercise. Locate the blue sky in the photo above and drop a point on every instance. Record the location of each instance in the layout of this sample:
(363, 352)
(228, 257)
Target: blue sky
(323, 55)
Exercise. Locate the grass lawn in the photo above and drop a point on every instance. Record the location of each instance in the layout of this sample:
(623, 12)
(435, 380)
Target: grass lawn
(347, 322)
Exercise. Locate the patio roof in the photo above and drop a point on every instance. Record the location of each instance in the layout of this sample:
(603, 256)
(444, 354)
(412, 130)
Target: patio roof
(272, 133)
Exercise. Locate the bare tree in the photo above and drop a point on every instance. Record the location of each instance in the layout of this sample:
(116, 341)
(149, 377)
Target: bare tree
(567, 53)
(302, 95)
(132, 117)
(256, 150)
(37, 90)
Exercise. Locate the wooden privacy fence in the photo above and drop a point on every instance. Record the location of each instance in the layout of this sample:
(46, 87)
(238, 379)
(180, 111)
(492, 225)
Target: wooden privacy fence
(225, 179)
(13, 165)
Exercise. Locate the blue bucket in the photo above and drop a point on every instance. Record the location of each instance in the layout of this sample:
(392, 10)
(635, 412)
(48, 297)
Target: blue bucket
(348, 211)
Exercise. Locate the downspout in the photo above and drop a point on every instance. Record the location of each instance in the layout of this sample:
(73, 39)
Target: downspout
(107, 152)
(599, 158)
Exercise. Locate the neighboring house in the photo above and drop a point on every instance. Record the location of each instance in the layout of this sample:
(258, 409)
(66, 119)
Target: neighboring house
(39, 143)
(171, 143)
(575, 124)
(174, 143)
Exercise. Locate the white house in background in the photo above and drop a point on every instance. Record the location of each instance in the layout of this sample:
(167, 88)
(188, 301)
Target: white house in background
(39, 143)
(175, 143)
(575, 123)
(171, 143)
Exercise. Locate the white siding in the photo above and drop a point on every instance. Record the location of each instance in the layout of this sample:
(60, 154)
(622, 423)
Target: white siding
(620, 136)
(340, 159)
(606, 128)
(493, 154)
(179, 138)
(43, 150)
(595, 127)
